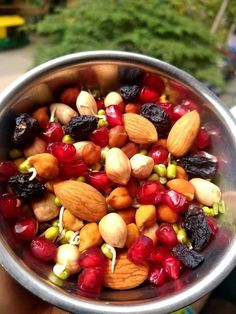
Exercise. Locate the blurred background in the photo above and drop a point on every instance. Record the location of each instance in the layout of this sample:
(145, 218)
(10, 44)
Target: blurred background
(198, 36)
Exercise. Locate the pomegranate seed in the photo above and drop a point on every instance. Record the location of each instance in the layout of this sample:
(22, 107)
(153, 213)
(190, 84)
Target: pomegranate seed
(7, 169)
(62, 151)
(175, 200)
(73, 169)
(114, 115)
(90, 280)
(99, 181)
(203, 139)
(154, 82)
(172, 267)
(69, 95)
(148, 95)
(8, 204)
(100, 137)
(179, 111)
(213, 225)
(92, 257)
(43, 249)
(158, 276)
(26, 228)
(100, 103)
(140, 250)
(190, 105)
(168, 107)
(166, 235)
(159, 255)
(159, 154)
(53, 132)
(150, 192)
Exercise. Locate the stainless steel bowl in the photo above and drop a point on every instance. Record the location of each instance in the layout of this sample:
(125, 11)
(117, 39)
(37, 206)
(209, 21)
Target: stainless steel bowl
(100, 70)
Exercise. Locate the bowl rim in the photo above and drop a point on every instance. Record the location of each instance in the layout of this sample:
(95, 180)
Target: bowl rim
(40, 287)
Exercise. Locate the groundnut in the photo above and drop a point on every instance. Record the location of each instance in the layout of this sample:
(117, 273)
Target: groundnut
(46, 165)
(71, 222)
(89, 236)
(38, 146)
(62, 112)
(44, 208)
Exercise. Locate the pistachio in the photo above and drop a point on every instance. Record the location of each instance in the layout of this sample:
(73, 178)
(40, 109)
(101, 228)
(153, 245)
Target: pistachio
(45, 164)
(113, 230)
(44, 208)
(62, 112)
(68, 255)
(141, 166)
(119, 198)
(86, 104)
(206, 192)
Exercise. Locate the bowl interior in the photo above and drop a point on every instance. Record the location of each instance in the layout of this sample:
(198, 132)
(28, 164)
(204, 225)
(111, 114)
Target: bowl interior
(41, 87)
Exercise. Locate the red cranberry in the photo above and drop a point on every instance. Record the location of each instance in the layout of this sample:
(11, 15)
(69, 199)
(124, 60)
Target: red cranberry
(62, 151)
(213, 225)
(26, 228)
(168, 107)
(99, 181)
(154, 82)
(73, 169)
(203, 139)
(166, 235)
(43, 249)
(148, 95)
(69, 95)
(114, 115)
(7, 169)
(53, 132)
(140, 250)
(8, 204)
(172, 267)
(175, 200)
(159, 154)
(179, 111)
(100, 137)
(100, 103)
(159, 255)
(90, 280)
(158, 276)
(150, 192)
(190, 105)
(93, 257)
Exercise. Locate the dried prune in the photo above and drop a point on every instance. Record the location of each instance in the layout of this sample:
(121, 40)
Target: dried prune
(158, 117)
(25, 189)
(25, 130)
(198, 166)
(81, 127)
(129, 92)
(189, 258)
(197, 228)
(130, 75)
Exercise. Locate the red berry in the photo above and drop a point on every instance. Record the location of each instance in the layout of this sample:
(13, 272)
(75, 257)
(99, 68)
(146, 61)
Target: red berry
(90, 280)
(166, 235)
(168, 107)
(26, 228)
(100, 103)
(175, 200)
(172, 267)
(53, 132)
(100, 137)
(73, 169)
(69, 95)
(159, 154)
(62, 151)
(213, 225)
(92, 257)
(140, 250)
(43, 249)
(203, 139)
(114, 115)
(148, 95)
(190, 105)
(150, 192)
(179, 111)
(8, 204)
(154, 82)
(99, 181)
(158, 276)
(159, 255)
(7, 169)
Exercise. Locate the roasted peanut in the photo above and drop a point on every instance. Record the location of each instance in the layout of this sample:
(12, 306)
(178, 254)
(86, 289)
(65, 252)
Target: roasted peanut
(132, 186)
(145, 216)
(119, 198)
(38, 146)
(41, 115)
(91, 153)
(117, 136)
(166, 214)
(181, 173)
(45, 164)
(89, 236)
(45, 208)
(132, 108)
(141, 166)
(130, 149)
(132, 234)
(182, 186)
(128, 215)
(71, 222)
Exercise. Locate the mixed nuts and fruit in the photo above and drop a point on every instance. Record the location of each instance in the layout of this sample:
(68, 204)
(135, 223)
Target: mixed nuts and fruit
(115, 188)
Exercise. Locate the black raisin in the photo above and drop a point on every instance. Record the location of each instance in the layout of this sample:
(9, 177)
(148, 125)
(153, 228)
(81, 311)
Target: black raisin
(130, 75)
(158, 117)
(81, 127)
(189, 258)
(197, 228)
(25, 130)
(198, 166)
(25, 189)
(129, 92)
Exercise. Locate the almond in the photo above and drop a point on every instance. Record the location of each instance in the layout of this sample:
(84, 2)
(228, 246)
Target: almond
(84, 201)
(182, 186)
(126, 274)
(183, 133)
(139, 129)
(86, 104)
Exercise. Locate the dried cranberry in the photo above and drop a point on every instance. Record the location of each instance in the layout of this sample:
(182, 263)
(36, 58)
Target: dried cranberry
(100, 137)
(69, 95)
(99, 181)
(189, 258)
(166, 235)
(150, 192)
(168, 107)
(73, 169)
(172, 267)
(175, 200)
(140, 250)
(43, 249)
(203, 139)
(26, 229)
(213, 225)
(159, 154)
(81, 127)
(53, 132)
(92, 257)
(158, 276)
(7, 169)
(8, 204)
(179, 111)
(158, 255)
(90, 280)
(147, 94)
(154, 82)
(129, 92)
(114, 115)
(100, 103)
(62, 151)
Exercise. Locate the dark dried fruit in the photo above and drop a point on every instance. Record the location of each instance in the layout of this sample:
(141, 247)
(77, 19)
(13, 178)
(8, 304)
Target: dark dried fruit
(198, 166)
(189, 258)
(158, 117)
(25, 130)
(130, 75)
(25, 189)
(197, 228)
(129, 92)
(81, 127)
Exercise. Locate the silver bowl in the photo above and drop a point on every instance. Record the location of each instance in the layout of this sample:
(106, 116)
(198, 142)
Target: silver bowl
(100, 70)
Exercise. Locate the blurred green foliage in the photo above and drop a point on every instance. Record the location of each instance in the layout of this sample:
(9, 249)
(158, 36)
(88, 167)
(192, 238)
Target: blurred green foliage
(157, 28)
